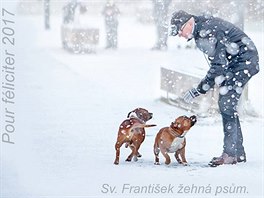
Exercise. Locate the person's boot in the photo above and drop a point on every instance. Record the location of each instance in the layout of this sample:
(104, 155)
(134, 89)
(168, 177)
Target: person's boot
(241, 158)
(156, 47)
(223, 159)
(164, 47)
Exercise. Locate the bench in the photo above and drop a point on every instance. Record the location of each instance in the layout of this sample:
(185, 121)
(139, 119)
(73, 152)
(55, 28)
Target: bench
(174, 84)
(78, 39)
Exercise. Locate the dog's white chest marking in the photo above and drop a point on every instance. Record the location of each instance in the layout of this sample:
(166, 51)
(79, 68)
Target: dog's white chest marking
(176, 144)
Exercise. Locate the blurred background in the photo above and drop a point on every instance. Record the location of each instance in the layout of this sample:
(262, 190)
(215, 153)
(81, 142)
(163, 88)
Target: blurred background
(247, 13)
(142, 9)
(253, 9)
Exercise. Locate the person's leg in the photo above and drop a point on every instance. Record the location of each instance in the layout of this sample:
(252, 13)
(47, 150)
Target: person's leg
(115, 38)
(242, 79)
(230, 134)
(108, 35)
(228, 105)
(231, 127)
(241, 155)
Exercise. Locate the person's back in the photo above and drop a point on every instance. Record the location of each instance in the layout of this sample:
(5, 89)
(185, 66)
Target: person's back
(217, 37)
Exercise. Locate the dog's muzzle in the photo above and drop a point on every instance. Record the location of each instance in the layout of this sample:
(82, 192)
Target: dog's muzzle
(193, 119)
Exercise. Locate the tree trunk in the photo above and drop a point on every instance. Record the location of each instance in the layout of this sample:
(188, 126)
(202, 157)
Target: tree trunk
(47, 14)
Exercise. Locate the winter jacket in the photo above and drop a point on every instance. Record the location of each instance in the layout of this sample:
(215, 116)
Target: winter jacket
(111, 13)
(228, 48)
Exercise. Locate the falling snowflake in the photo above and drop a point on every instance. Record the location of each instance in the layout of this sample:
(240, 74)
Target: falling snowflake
(223, 90)
(249, 43)
(205, 87)
(203, 33)
(232, 48)
(239, 90)
(219, 79)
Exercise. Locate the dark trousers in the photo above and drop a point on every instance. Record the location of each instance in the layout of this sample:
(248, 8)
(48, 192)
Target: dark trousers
(228, 103)
(111, 35)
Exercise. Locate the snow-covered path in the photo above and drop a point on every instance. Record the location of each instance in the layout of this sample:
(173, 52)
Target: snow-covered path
(69, 107)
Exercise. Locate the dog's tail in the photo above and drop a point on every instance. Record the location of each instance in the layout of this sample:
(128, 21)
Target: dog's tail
(143, 125)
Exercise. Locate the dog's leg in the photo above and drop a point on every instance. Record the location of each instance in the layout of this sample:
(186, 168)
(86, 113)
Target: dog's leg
(133, 148)
(138, 154)
(177, 153)
(135, 151)
(117, 147)
(182, 154)
(156, 153)
(165, 154)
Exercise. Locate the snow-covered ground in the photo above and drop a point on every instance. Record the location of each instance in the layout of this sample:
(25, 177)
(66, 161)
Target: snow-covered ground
(69, 107)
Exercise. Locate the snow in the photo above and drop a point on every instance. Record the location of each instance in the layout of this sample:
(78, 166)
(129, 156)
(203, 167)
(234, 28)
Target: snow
(223, 90)
(219, 79)
(69, 107)
(232, 48)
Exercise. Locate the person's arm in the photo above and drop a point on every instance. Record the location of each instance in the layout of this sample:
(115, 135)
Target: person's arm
(218, 62)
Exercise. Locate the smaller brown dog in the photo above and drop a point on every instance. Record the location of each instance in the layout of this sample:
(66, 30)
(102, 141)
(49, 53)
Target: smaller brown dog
(172, 139)
(132, 132)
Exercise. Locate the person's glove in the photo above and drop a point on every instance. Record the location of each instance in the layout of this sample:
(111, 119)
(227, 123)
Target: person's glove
(190, 95)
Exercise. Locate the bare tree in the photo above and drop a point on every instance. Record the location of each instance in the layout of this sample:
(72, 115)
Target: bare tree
(47, 14)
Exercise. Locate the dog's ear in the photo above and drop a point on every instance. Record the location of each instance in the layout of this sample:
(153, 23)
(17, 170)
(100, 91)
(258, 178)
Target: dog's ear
(193, 119)
(128, 115)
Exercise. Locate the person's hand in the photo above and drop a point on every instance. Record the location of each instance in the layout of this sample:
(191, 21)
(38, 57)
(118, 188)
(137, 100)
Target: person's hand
(190, 95)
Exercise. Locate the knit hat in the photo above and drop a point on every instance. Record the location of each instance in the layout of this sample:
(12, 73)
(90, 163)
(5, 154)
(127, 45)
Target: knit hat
(178, 19)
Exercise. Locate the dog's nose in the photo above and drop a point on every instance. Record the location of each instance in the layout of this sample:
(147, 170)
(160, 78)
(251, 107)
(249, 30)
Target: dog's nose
(193, 119)
(151, 115)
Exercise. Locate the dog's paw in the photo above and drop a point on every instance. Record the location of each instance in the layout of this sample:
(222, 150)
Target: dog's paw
(157, 163)
(167, 162)
(139, 155)
(185, 164)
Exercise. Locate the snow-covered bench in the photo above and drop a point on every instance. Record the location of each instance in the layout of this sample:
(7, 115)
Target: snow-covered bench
(79, 39)
(175, 83)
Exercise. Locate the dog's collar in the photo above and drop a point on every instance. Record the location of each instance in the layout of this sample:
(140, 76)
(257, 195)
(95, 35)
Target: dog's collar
(176, 134)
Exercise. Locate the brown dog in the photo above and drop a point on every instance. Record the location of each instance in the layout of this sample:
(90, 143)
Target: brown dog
(132, 132)
(172, 139)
